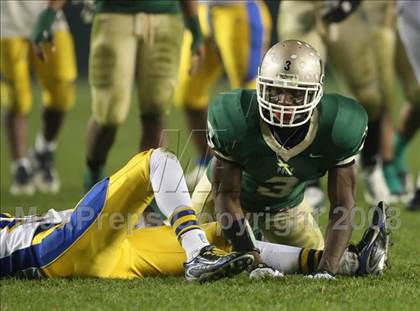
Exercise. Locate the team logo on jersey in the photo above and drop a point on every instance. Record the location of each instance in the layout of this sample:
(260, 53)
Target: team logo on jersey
(284, 168)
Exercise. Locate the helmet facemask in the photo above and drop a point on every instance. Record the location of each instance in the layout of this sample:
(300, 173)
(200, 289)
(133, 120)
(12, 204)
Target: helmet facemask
(286, 102)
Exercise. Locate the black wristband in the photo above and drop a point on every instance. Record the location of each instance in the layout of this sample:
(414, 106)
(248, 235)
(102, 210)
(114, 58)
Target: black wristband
(240, 235)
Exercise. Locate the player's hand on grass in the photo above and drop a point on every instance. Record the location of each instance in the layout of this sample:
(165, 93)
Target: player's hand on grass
(321, 275)
(262, 271)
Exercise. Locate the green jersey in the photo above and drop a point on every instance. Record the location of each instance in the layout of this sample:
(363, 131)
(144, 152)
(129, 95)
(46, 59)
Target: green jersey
(137, 6)
(274, 177)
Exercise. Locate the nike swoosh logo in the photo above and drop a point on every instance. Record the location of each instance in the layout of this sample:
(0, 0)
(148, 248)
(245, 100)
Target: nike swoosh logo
(311, 155)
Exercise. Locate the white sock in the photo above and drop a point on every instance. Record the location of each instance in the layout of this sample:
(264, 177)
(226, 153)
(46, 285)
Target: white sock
(192, 242)
(280, 257)
(42, 145)
(168, 183)
(21, 162)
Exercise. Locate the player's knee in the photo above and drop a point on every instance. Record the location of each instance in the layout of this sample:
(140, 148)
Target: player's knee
(61, 96)
(109, 106)
(157, 100)
(111, 119)
(14, 100)
(191, 100)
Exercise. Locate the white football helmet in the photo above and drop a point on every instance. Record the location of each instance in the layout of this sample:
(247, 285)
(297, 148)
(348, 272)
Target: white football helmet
(289, 83)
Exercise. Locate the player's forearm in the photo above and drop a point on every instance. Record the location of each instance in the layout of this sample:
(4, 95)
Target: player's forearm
(189, 8)
(226, 188)
(341, 190)
(338, 236)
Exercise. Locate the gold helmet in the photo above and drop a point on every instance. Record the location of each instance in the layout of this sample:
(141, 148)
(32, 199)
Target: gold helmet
(289, 83)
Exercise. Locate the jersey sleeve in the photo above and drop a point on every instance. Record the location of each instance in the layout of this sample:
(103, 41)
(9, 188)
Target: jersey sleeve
(223, 124)
(349, 131)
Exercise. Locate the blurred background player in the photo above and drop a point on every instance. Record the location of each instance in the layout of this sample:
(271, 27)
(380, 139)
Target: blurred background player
(393, 65)
(134, 41)
(236, 35)
(56, 71)
(366, 63)
(408, 17)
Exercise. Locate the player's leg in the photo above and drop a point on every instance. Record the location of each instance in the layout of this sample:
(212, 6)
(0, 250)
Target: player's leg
(204, 261)
(369, 256)
(409, 119)
(356, 61)
(294, 226)
(192, 92)
(16, 80)
(242, 32)
(203, 201)
(156, 251)
(381, 17)
(90, 243)
(158, 58)
(408, 29)
(111, 72)
(57, 79)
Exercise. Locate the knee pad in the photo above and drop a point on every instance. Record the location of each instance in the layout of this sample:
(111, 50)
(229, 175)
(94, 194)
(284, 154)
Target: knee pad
(101, 66)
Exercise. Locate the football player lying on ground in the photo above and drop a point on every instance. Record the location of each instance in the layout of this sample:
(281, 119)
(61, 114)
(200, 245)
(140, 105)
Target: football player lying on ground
(97, 238)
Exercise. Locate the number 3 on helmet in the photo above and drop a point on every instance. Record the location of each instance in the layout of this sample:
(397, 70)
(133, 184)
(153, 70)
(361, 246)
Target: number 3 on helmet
(289, 83)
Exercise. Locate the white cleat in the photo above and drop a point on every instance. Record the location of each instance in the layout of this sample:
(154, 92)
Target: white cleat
(376, 189)
(47, 183)
(46, 178)
(22, 178)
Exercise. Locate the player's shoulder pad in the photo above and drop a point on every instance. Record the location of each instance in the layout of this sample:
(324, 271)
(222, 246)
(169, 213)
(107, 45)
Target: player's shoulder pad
(350, 123)
(231, 113)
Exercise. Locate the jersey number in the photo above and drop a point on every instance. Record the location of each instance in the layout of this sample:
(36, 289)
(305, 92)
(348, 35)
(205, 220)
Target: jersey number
(277, 187)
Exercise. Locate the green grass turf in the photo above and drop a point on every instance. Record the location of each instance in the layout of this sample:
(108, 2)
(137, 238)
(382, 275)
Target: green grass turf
(399, 288)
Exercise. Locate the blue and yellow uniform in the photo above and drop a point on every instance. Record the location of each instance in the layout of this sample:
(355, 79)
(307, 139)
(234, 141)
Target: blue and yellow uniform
(98, 238)
(236, 37)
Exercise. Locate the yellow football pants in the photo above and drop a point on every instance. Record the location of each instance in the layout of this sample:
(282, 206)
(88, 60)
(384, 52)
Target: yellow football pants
(127, 48)
(56, 76)
(111, 247)
(236, 37)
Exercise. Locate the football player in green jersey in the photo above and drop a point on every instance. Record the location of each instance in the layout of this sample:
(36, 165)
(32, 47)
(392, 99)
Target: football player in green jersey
(268, 142)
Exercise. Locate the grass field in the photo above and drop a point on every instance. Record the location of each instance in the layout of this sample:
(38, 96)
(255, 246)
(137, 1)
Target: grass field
(398, 288)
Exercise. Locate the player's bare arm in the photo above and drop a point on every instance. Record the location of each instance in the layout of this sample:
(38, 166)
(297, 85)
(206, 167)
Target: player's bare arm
(227, 188)
(189, 9)
(341, 192)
